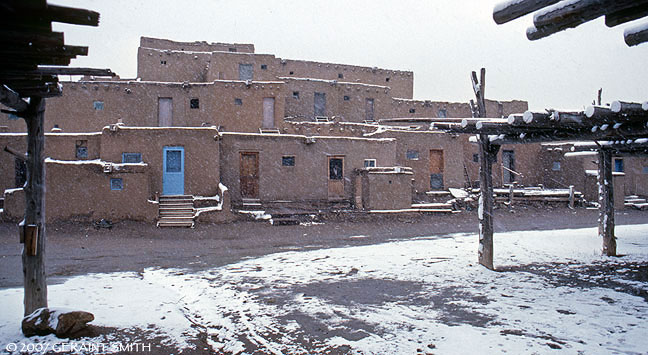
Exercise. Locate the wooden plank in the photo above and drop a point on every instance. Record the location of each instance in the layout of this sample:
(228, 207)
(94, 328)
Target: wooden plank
(34, 265)
(72, 15)
(606, 202)
(513, 10)
(74, 71)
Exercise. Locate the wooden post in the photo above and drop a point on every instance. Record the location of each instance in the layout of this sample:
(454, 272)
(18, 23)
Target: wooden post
(33, 256)
(606, 202)
(487, 154)
(511, 196)
(571, 196)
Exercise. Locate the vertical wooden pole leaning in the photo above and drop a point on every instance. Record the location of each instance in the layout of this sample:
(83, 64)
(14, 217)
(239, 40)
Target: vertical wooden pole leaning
(606, 202)
(35, 282)
(485, 250)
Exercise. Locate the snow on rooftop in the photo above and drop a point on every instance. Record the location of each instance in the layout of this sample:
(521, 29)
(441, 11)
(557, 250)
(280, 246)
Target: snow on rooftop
(553, 292)
(636, 29)
(505, 4)
(289, 78)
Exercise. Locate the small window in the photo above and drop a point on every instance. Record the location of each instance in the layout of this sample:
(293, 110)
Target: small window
(232, 49)
(370, 163)
(194, 103)
(98, 105)
(555, 166)
(346, 98)
(82, 149)
(412, 155)
(443, 113)
(386, 80)
(163, 62)
(412, 110)
(340, 76)
(131, 158)
(264, 67)
(238, 102)
(288, 160)
(295, 94)
(476, 158)
(618, 165)
(292, 72)
(116, 184)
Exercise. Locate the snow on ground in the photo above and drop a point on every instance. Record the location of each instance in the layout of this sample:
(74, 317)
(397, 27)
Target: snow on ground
(552, 290)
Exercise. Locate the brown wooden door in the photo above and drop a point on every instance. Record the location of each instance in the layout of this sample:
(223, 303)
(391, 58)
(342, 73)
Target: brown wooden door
(249, 177)
(436, 169)
(336, 177)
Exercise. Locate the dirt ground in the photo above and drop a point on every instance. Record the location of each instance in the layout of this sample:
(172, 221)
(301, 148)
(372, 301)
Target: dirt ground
(77, 248)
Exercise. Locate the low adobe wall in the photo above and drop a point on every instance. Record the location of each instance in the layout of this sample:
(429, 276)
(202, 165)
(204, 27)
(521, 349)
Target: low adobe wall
(386, 188)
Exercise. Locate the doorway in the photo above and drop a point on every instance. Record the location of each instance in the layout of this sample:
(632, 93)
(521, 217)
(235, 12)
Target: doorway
(173, 171)
(335, 177)
(165, 111)
(249, 175)
(436, 169)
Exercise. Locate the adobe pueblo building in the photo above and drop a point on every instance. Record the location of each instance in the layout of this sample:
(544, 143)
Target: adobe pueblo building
(208, 128)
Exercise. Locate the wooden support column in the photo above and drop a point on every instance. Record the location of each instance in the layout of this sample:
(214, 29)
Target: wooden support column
(606, 202)
(33, 229)
(487, 154)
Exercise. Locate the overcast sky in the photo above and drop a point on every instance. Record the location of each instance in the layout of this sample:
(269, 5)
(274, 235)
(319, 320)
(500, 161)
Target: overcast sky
(441, 41)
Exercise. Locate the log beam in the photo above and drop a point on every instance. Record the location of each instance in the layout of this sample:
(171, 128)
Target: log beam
(506, 12)
(487, 155)
(606, 202)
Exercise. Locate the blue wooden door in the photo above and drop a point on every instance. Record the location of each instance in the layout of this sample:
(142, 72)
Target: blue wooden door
(173, 171)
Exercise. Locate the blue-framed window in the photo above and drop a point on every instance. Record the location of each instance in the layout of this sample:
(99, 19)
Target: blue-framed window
(618, 165)
(288, 160)
(116, 184)
(412, 155)
(98, 105)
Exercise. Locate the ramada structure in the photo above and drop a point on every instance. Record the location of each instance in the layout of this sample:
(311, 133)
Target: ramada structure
(211, 128)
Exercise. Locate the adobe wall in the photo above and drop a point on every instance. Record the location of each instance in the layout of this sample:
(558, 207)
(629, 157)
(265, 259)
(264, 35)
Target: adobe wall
(423, 142)
(196, 46)
(308, 179)
(636, 175)
(136, 104)
(201, 148)
(172, 66)
(526, 163)
(387, 190)
(8, 161)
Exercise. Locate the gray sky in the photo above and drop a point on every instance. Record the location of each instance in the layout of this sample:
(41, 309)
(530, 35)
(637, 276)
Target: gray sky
(441, 41)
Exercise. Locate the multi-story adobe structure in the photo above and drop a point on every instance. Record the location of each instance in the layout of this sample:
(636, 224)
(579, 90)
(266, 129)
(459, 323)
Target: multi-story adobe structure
(265, 114)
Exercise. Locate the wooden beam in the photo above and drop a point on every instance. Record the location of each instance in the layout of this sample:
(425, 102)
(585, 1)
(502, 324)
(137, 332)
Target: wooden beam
(626, 15)
(505, 12)
(606, 202)
(625, 107)
(72, 15)
(74, 71)
(33, 256)
(636, 35)
(11, 99)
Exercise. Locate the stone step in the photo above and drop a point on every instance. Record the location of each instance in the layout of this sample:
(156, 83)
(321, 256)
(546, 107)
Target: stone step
(176, 207)
(175, 224)
(177, 214)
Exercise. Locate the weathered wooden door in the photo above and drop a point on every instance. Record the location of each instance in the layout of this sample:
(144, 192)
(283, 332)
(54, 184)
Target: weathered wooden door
(336, 177)
(165, 111)
(173, 171)
(369, 109)
(436, 169)
(508, 163)
(320, 104)
(249, 175)
(268, 112)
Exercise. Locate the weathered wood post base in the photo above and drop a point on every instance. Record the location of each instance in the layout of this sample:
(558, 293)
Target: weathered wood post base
(606, 202)
(487, 154)
(33, 256)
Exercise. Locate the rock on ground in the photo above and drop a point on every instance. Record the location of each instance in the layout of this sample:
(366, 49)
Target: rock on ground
(63, 324)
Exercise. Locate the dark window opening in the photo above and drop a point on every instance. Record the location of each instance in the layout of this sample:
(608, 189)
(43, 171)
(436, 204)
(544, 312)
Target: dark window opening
(238, 102)
(98, 105)
(292, 72)
(335, 169)
(288, 160)
(476, 158)
(264, 66)
(232, 49)
(387, 80)
(412, 110)
(443, 113)
(370, 163)
(340, 75)
(163, 62)
(618, 165)
(116, 184)
(194, 103)
(131, 158)
(346, 98)
(20, 172)
(295, 94)
(81, 149)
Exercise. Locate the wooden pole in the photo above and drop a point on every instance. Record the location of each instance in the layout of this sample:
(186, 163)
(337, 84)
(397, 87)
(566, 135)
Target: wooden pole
(571, 197)
(606, 202)
(33, 256)
(487, 153)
